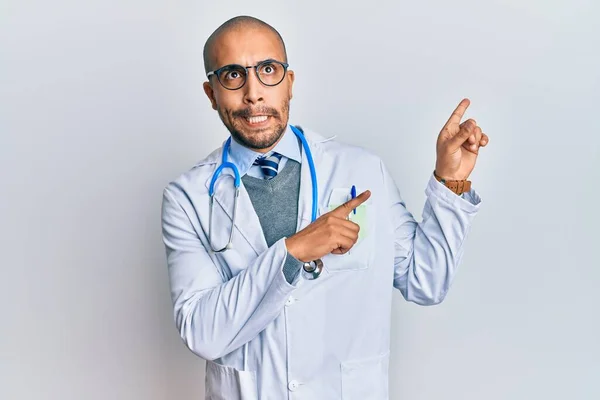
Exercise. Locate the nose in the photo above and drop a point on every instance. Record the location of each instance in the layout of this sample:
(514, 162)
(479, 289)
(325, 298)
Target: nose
(253, 89)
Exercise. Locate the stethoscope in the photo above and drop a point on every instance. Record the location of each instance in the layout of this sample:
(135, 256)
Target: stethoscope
(311, 269)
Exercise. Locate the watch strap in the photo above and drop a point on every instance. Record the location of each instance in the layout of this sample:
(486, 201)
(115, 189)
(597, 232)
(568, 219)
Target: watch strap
(457, 186)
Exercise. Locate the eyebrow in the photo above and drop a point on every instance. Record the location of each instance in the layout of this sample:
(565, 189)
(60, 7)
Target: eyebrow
(258, 62)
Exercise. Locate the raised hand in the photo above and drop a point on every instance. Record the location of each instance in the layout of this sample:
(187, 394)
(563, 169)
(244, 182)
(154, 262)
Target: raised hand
(458, 145)
(330, 233)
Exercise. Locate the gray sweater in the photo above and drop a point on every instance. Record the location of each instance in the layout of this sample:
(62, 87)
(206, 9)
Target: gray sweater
(276, 204)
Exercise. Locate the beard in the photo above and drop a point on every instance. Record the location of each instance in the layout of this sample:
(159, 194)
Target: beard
(260, 138)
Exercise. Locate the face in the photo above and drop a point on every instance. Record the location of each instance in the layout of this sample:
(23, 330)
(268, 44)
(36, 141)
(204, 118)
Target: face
(256, 115)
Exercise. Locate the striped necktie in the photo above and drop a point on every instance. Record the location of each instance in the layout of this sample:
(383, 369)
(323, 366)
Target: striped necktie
(269, 165)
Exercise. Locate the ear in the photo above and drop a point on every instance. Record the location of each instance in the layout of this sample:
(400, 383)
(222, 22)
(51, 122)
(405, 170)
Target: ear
(208, 89)
(290, 77)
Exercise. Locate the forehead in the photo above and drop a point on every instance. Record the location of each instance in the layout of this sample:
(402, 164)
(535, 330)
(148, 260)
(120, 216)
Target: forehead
(246, 46)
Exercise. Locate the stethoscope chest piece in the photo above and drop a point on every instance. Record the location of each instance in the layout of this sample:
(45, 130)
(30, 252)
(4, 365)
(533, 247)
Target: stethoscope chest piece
(312, 269)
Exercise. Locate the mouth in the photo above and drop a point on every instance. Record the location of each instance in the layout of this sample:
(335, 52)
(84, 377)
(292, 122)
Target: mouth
(257, 120)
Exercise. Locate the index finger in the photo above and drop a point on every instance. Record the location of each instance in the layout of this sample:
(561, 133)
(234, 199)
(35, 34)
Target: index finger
(347, 207)
(458, 113)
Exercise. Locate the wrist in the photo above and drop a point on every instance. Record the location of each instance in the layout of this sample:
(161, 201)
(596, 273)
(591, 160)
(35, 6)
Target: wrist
(457, 186)
(292, 248)
(447, 176)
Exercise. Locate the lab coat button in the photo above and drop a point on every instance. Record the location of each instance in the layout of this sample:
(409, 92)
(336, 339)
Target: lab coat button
(293, 385)
(290, 301)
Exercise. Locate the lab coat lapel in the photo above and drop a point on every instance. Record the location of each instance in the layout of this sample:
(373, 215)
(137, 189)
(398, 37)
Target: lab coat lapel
(247, 222)
(324, 169)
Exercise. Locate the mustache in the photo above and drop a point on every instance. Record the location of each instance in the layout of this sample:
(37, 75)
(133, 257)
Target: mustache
(248, 112)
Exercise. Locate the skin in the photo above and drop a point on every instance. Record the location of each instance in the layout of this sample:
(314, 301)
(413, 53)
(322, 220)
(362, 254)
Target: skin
(457, 144)
(248, 46)
(330, 233)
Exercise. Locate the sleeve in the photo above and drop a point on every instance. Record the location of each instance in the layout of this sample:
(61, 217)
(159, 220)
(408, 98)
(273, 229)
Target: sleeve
(427, 253)
(291, 269)
(215, 316)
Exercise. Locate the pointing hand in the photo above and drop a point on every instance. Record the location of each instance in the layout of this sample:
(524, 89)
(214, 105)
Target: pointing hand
(330, 233)
(458, 145)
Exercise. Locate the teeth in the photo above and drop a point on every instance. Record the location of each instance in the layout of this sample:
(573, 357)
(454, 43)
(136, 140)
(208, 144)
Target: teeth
(257, 120)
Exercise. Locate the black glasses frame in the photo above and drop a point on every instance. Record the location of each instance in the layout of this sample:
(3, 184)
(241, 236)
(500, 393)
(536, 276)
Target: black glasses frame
(217, 72)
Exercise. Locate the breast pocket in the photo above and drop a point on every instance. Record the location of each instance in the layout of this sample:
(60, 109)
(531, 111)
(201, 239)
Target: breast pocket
(360, 255)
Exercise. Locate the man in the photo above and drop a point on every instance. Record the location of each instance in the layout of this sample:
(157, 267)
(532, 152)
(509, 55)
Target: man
(266, 329)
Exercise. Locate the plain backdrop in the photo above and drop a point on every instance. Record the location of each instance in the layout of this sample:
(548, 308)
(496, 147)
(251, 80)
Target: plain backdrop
(101, 105)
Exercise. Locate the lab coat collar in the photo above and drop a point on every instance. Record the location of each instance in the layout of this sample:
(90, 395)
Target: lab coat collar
(215, 157)
(247, 223)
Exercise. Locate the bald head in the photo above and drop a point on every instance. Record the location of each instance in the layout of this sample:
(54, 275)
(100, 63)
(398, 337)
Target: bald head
(236, 24)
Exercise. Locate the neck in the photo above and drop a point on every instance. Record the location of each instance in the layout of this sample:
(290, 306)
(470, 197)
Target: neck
(264, 151)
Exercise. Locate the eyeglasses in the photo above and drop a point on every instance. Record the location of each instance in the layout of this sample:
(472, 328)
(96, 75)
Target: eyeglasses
(234, 76)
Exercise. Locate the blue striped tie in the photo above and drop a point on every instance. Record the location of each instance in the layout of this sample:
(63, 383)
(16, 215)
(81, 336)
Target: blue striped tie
(269, 165)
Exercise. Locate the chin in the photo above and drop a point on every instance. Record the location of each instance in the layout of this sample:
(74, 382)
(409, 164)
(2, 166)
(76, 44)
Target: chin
(258, 139)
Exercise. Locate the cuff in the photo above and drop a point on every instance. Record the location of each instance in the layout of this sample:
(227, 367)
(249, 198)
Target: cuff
(470, 201)
(280, 288)
(291, 267)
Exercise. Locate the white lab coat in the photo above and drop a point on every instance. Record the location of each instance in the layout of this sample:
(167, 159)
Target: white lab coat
(322, 339)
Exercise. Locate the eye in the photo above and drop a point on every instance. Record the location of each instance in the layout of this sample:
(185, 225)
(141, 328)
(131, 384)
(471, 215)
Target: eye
(232, 73)
(268, 69)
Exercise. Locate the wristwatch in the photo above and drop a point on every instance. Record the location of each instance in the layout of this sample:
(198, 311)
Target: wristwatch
(457, 186)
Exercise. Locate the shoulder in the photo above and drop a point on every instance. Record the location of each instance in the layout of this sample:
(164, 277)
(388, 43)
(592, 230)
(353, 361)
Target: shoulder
(343, 152)
(195, 179)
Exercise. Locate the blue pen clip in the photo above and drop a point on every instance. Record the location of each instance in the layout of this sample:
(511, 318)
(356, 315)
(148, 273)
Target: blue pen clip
(353, 195)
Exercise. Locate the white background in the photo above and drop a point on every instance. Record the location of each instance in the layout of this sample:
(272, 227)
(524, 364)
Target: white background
(101, 104)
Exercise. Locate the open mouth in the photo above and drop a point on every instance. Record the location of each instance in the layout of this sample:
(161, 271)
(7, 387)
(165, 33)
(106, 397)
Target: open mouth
(257, 120)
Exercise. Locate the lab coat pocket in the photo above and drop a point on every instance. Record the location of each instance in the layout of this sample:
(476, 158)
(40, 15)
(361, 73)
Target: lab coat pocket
(228, 383)
(366, 379)
(359, 256)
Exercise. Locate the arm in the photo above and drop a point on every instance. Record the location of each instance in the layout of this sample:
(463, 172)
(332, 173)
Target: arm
(426, 254)
(214, 316)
